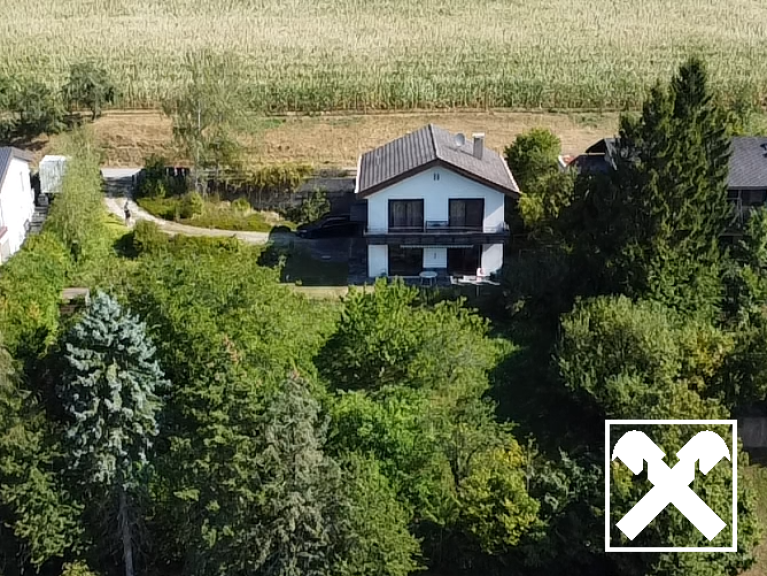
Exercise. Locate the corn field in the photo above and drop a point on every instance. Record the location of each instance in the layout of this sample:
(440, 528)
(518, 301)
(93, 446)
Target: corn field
(313, 55)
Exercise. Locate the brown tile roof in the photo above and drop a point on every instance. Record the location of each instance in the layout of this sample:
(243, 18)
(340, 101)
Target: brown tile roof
(427, 147)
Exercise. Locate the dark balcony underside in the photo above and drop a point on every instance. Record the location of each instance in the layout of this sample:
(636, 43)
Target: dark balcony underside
(443, 239)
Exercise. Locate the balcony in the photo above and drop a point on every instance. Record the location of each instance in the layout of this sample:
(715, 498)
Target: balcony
(441, 233)
(740, 215)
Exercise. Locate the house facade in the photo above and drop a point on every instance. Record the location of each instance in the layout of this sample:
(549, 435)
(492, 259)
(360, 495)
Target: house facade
(434, 202)
(17, 200)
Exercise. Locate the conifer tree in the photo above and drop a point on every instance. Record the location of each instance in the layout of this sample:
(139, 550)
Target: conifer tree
(109, 392)
(299, 484)
(652, 229)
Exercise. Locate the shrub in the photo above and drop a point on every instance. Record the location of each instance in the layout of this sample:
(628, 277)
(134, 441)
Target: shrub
(281, 178)
(211, 245)
(227, 220)
(192, 205)
(78, 568)
(148, 238)
(30, 289)
(241, 205)
(311, 209)
(165, 208)
(77, 215)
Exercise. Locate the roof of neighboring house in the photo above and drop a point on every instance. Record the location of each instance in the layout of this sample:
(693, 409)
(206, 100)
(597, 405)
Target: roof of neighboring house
(8, 153)
(591, 163)
(608, 146)
(748, 163)
(427, 147)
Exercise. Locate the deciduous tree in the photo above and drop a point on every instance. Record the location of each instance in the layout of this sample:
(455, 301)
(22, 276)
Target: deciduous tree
(533, 156)
(89, 85)
(209, 115)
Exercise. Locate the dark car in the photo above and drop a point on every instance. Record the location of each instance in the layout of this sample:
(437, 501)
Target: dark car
(329, 227)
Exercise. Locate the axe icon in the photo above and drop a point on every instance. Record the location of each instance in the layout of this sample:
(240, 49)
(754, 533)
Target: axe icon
(671, 485)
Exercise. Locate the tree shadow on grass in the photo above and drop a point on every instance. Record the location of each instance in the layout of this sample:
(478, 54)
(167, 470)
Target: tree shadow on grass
(308, 262)
(528, 391)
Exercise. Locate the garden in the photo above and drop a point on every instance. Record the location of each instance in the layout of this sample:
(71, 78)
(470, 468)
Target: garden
(227, 201)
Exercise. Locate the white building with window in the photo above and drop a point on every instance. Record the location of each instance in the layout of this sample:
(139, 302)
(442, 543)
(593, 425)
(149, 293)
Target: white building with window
(17, 200)
(434, 203)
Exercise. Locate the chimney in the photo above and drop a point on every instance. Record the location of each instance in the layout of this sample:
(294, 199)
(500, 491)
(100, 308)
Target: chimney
(479, 144)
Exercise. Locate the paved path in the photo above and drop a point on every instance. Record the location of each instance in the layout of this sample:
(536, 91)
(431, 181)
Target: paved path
(118, 186)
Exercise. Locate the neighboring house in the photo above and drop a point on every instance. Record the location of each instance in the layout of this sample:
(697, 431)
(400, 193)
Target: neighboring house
(746, 183)
(17, 200)
(434, 203)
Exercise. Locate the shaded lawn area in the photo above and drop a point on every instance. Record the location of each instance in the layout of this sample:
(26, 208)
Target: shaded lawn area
(303, 269)
(528, 392)
(320, 263)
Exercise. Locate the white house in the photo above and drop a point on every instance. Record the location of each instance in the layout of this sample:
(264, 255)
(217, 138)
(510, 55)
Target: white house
(434, 202)
(17, 200)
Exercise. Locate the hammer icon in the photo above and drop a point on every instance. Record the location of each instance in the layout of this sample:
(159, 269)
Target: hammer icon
(671, 485)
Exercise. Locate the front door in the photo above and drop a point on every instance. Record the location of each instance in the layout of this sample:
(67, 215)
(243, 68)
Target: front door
(464, 261)
(405, 261)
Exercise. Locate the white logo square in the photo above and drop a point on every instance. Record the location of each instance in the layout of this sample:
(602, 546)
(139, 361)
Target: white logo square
(635, 450)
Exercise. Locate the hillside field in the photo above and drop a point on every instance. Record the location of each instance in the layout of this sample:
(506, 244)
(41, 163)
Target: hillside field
(309, 55)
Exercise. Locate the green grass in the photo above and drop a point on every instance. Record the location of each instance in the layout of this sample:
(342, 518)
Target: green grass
(218, 215)
(314, 55)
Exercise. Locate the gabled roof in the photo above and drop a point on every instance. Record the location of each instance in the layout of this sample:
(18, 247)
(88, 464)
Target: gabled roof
(606, 146)
(8, 153)
(747, 169)
(748, 163)
(427, 147)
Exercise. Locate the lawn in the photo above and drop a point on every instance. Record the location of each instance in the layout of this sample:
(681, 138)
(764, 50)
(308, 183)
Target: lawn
(312, 55)
(304, 268)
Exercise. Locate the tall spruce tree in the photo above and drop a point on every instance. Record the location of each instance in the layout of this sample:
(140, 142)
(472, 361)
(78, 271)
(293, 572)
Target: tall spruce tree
(109, 391)
(652, 229)
(300, 486)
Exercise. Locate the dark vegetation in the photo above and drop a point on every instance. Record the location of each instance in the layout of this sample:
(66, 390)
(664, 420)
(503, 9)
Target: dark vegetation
(30, 108)
(199, 418)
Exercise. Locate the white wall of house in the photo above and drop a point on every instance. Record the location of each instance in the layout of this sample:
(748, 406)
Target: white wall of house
(435, 257)
(436, 187)
(378, 261)
(17, 204)
(492, 257)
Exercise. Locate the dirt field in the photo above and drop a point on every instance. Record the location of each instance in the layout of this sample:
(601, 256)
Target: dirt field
(128, 137)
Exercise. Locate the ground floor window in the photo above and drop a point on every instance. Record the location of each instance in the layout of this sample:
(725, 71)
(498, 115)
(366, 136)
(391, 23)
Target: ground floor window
(405, 261)
(464, 261)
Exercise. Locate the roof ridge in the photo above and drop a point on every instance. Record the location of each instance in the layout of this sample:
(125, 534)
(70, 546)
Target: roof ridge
(433, 140)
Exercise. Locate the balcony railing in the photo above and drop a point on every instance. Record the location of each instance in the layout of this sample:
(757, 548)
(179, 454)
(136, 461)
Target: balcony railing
(438, 227)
